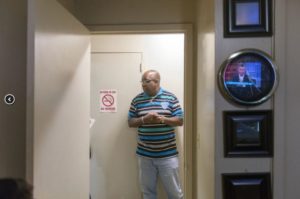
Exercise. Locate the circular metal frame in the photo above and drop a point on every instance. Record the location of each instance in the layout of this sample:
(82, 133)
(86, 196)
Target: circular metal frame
(260, 77)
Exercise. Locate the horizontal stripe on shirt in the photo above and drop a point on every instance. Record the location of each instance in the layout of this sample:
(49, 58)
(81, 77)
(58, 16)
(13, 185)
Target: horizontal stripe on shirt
(160, 142)
(155, 129)
(156, 140)
(155, 133)
(158, 137)
(162, 154)
(157, 150)
(157, 147)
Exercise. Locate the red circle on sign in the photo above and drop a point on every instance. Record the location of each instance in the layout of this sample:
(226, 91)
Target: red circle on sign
(108, 100)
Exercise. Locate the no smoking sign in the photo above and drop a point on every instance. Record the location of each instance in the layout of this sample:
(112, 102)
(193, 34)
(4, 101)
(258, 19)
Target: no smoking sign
(108, 100)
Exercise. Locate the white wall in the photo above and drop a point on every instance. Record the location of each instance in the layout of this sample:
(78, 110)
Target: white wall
(59, 103)
(146, 44)
(13, 80)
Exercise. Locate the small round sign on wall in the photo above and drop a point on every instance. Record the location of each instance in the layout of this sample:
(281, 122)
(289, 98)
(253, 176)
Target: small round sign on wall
(9, 99)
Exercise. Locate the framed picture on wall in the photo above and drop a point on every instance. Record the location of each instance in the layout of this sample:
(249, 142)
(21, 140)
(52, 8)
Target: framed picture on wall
(246, 185)
(248, 133)
(247, 18)
(248, 77)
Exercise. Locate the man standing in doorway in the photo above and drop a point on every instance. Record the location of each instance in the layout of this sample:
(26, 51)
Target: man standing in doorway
(155, 112)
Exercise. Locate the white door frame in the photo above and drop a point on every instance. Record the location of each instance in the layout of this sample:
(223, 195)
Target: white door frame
(189, 88)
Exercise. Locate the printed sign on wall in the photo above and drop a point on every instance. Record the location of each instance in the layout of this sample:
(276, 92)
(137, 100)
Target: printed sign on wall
(108, 100)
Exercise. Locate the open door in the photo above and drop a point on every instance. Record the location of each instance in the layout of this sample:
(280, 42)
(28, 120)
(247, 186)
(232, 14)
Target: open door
(114, 172)
(58, 102)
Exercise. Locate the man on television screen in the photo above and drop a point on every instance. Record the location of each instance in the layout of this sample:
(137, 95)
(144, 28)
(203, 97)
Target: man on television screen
(242, 84)
(241, 76)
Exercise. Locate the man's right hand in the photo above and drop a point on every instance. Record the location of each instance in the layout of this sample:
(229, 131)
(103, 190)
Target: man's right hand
(151, 118)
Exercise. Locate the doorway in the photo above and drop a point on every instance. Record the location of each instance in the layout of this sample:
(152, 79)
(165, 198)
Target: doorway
(118, 61)
(67, 102)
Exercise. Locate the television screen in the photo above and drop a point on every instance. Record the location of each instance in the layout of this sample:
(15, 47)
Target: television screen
(244, 74)
(247, 13)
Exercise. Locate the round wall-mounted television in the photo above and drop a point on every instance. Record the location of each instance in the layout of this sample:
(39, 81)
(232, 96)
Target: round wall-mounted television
(248, 77)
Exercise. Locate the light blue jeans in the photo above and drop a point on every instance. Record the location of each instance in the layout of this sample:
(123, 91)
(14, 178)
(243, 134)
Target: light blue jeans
(168, 171)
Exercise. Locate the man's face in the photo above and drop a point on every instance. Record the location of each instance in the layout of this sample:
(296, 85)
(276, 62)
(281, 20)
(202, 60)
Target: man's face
(241, 70)
(150, 83)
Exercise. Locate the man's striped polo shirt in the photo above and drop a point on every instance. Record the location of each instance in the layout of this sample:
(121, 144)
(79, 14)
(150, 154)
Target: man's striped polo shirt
(156, 140)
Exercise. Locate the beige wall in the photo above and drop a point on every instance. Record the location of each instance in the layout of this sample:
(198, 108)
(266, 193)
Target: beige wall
(69, 5)
(205, 49)
(279, 160)
(292, 99)
(103, 12)
(12, 80)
